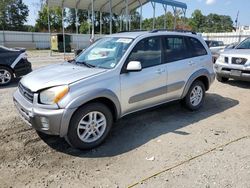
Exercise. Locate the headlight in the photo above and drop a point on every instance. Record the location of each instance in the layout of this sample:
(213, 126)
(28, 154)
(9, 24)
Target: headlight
(53, 95)
(221, 59)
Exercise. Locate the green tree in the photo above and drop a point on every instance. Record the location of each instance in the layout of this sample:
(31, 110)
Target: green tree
(147, 24)
(197, 21)
(84, 27)
(71, 20)
(211, 23)
(55, 15)
(13, 15)
(218, 23)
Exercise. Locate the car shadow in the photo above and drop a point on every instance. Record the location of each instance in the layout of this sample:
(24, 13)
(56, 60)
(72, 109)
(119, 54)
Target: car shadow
(139, 128)
(238, 83)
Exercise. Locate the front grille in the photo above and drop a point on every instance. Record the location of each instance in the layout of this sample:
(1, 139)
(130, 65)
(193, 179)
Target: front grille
(239, 61)
(28, 94)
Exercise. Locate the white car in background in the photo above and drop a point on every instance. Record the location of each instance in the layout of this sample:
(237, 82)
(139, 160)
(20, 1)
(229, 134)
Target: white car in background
(216, 47)
(234, 63)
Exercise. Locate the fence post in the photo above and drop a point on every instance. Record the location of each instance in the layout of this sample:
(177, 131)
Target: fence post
(239, 35)
(3, 38)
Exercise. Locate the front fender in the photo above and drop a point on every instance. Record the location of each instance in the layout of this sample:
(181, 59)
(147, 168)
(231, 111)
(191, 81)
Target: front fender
(83, 99)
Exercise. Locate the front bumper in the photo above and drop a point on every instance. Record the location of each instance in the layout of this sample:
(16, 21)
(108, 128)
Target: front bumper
(43, 120)
(227, 72)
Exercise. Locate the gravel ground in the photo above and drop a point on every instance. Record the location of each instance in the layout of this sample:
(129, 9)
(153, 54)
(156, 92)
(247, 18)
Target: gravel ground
(166, 146)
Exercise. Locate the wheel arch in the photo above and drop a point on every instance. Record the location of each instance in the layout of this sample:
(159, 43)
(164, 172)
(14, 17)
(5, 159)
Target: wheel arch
(7, 66)
(105, 97)
(203, 75)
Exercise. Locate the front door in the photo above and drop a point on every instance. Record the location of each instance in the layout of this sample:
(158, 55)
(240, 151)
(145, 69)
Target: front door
(147, 87)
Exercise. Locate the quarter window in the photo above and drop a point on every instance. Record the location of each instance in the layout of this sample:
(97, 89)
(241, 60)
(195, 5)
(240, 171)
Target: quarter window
(147, 51)
(197, 49)
(175, 49)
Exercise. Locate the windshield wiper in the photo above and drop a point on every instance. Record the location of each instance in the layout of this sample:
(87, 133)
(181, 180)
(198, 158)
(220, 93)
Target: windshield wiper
(84, 63)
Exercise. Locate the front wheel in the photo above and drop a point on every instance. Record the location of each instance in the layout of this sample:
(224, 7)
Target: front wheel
(89, 126)
(195, 96)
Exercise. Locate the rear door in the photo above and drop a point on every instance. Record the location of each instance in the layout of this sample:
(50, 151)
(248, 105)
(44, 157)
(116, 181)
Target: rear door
(200, 57)
(179, 65)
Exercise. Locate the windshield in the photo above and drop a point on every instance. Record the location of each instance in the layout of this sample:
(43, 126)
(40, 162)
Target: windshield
(244, 45)
(105, 53)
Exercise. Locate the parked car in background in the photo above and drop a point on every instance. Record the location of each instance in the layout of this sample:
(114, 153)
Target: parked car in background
(118, 75)
(216, 54)
(234, 63)
(231, 46)
(215, 47)
(13, 64)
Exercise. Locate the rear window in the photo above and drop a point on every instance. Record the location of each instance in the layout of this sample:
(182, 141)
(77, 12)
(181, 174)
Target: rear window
(175, 49)
(197, 49)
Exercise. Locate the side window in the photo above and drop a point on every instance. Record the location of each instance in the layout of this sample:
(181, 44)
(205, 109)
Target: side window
(175, 49)
(147, 51)
(197, 48)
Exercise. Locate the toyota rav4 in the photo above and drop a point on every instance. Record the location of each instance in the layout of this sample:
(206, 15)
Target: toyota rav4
(119, 74)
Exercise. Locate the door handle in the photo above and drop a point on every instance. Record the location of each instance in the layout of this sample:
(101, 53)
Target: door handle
(191, 63)
(159, 71)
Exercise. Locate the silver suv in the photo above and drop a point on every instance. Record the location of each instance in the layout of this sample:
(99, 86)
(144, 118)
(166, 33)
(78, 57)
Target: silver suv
(117, 75)
(234, 63)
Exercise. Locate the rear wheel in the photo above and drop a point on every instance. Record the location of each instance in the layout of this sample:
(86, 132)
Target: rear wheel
(89, 126)
(6, 76)
(195, 96)
(221, 79)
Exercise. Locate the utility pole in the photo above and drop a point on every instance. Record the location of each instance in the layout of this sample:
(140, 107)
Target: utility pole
(236, 20)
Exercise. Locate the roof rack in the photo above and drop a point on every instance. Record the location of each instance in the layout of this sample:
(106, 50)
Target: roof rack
(135, 30)
(174, 30)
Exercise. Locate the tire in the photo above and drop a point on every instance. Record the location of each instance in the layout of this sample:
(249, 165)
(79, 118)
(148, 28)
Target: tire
(87, 130)
(195, 104)
(6, 76)
(221, 79)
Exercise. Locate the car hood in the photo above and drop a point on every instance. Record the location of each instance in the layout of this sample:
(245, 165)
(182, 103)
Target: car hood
(243, 53)
(58, 74)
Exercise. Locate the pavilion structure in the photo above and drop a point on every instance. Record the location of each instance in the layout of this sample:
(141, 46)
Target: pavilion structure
(122, 8)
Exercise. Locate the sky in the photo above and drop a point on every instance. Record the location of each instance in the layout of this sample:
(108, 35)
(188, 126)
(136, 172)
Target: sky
(223, 7)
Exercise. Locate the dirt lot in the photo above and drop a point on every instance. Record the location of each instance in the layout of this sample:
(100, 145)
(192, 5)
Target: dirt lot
(166, 146)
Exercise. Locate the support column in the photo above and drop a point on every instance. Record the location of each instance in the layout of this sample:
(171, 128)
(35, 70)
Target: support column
(50, 52)
(121, 22)
(153, 5)
(89, 22)
(77, 20)
(126, 1)
(184, 16)
(140, 14)
(63, 32)
(93, 22)
(129, 22)
(174, 18)
(100, 22)
(165, 16)
(110, 17)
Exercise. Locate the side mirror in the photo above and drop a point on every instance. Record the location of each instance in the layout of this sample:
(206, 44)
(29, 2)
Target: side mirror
(134, 66)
